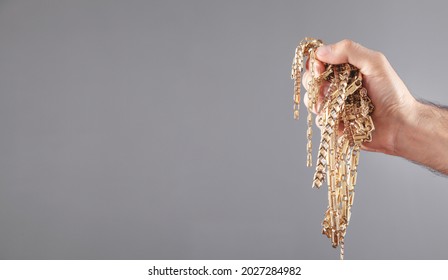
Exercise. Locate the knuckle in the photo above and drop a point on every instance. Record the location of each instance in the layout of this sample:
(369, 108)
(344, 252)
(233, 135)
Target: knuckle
(378, 61)
(347, 43)
(379, 57)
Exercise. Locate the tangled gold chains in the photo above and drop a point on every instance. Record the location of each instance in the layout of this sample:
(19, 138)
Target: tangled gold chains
(344, 116)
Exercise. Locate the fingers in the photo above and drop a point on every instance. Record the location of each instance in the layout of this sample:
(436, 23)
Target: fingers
(319, 68)
(306, 101)
(306, 80)
(347, 51)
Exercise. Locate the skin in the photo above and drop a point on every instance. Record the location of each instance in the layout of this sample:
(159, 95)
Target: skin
(404, 126)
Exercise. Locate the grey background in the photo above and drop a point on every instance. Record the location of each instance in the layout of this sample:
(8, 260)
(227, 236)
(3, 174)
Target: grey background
(164, 130)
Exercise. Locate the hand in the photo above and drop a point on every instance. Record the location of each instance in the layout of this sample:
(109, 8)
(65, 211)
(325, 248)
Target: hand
(392, 100)
(404, 126)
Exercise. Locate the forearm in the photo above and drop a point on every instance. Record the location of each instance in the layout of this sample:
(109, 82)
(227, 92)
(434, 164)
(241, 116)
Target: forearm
(423, 137)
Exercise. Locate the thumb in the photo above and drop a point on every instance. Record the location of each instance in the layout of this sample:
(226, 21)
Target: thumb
(347, 51)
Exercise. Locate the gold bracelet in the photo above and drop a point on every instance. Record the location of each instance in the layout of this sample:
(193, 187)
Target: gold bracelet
(345, 104)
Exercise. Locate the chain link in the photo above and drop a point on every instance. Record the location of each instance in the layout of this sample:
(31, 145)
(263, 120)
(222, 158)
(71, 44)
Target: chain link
(345, 102)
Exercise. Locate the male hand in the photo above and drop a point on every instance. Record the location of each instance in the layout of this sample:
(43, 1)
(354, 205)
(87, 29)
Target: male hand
(403, 126)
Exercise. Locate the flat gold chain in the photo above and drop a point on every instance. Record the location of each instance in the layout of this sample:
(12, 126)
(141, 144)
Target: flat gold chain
(345, 104)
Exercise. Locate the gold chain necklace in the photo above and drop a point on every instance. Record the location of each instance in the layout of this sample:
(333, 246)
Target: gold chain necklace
(345, 107)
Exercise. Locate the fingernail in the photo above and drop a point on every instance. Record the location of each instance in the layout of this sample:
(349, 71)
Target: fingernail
(323, 50)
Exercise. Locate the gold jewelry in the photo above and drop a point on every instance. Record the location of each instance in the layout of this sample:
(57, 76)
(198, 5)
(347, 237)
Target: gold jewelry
(345, 103)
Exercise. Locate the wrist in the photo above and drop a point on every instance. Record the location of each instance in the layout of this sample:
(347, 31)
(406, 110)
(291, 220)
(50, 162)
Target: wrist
(406, 128)
(422, 137)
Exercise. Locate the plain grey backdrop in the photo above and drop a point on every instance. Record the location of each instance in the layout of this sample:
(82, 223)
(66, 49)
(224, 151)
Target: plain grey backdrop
(164, 130)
